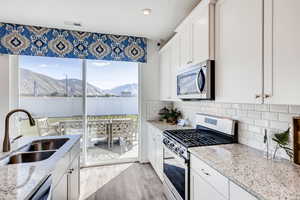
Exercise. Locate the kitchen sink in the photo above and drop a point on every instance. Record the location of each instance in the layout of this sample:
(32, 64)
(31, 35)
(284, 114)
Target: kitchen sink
(47, 144)
(27, 157)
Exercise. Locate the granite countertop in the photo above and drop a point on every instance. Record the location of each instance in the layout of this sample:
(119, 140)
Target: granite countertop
(248, 168)
(164, 126)
(20, 181)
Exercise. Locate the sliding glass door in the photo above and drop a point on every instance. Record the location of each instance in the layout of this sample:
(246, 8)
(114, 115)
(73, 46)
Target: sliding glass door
(112, 111)
(97, 99)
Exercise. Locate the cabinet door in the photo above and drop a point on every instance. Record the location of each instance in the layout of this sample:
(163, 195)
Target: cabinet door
(60, 192)
(159, 154)
(175, 64)
(165, 59)
(282, 66)
(239, 51)
(186, 46)
(151, 145)
(237, 193)
(201, 190)
(74, 180)
(201, 36)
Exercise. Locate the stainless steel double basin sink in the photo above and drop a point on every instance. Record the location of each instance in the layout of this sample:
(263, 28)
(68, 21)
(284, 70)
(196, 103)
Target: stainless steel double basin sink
(37, 150)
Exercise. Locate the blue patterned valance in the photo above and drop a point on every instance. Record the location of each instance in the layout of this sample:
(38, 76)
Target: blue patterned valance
(38, 41)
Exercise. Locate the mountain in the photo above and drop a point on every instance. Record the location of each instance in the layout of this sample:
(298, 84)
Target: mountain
(42, 85)
(127, 88)
(36, 84)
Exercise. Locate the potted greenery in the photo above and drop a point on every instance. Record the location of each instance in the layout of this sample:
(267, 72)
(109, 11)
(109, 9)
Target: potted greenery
(170, 115)
(282, 140)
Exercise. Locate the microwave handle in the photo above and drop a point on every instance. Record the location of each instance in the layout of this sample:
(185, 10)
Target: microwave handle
(200, 85)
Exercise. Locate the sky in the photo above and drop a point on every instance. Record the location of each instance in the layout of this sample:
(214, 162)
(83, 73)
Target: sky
(103, 74)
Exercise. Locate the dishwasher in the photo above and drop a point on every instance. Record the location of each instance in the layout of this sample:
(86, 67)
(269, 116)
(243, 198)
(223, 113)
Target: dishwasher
(44, 191)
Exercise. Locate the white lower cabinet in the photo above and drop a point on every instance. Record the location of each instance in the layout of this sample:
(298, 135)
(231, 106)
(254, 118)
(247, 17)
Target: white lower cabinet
(201, 190)
(66, 176)
(237, 193)
(208, 184)
(60, 191)
(155, 149)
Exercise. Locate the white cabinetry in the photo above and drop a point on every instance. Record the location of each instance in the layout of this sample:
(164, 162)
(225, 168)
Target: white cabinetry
(196, 35)
(165, 73)
(237, 193)
(169, 63)
(66, 176)
(282, 51)
(208, 184)
(185, 37)
(200, 189)
(155, 149)
(239, 30)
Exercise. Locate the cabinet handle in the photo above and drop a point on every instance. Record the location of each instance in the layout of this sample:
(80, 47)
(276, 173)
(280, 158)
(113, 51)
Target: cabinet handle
(204, 172)
(189, 62)
(70, 171)
(267, 96)
(257, 96)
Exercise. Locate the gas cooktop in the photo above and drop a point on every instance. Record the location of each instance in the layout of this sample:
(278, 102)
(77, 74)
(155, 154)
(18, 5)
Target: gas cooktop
(198, 137)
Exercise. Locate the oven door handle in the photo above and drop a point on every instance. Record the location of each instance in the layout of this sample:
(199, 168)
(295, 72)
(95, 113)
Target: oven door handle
(177, 157)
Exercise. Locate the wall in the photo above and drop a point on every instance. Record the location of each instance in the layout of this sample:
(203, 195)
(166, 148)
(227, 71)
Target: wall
(253, 118)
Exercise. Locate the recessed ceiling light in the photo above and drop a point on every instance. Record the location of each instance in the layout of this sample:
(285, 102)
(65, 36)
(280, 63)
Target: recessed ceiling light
(147, 11)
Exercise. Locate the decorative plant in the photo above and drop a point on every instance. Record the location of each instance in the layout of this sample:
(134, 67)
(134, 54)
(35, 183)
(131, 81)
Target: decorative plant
(170, 115)
(282, 140)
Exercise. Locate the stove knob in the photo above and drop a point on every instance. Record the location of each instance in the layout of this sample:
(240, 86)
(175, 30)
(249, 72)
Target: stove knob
(166, 141)
(172, 145)
(181, 152)
(176, 149)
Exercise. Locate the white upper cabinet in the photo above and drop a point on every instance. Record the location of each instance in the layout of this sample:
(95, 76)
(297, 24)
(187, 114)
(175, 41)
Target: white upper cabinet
(239, 30)
(196, 35)
(282, 51)
(165, 73)
(203, 34)
(185, 36)
(175, 64)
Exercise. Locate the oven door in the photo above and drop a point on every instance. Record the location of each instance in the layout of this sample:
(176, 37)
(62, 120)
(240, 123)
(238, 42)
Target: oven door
(176, 175)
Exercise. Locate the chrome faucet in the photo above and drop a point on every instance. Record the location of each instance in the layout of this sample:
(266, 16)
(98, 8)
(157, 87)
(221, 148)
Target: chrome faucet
(6, 142)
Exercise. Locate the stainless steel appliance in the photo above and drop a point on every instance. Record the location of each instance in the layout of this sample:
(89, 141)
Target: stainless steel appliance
(210, 130)
(197, 81)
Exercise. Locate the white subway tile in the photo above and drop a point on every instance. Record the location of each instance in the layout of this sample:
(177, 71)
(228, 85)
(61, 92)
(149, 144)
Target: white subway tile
(262, 107)
(226, 105)
(262, 123)
(248, 106)
(279, 108)
(279, 125)
(231, 112)
(295, 109)
(254, 129)
(270, 116)
(254, 114)
(242, 113)
(285, 117)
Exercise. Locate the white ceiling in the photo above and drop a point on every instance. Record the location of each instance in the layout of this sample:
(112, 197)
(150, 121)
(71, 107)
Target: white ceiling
(105, 16)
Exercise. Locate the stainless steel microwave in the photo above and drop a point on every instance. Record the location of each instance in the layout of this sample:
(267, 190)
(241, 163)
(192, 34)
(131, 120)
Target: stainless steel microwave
(197, 81)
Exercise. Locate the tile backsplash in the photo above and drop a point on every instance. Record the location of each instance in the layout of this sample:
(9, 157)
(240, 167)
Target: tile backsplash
(253, 119)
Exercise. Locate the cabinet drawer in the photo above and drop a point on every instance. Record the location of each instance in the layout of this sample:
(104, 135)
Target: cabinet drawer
(214, 178)
(237, 193)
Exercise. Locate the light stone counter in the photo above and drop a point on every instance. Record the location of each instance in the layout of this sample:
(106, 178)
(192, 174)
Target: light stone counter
(20, 181)
(247, 167)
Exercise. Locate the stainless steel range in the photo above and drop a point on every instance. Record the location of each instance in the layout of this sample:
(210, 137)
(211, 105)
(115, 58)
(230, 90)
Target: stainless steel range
(210, 130)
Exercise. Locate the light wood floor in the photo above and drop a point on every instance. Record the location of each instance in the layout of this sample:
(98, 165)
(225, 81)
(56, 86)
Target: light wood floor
(121, 182)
